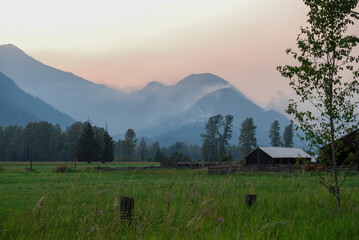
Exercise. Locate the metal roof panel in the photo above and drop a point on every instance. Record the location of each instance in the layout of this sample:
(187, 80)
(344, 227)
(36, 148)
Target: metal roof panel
(282, 152)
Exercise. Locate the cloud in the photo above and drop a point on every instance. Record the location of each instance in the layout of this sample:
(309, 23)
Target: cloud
(279, 102)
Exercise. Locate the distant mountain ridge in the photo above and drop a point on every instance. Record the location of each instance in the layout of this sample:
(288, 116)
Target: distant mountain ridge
(20, 108)
(71, 94)
(225, 101)
(164, 113)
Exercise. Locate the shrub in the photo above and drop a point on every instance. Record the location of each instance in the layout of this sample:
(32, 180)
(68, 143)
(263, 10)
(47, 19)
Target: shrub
(62, 168)
(320, 168)
(224, 158)
(309, 167)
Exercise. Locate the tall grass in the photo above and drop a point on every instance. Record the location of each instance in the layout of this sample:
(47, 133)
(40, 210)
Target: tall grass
(173, 204)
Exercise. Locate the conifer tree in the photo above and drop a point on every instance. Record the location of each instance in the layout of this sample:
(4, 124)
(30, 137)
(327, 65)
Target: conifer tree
(128, 145)
(215, 140)
(247, 139)
(107, 154)
(158, 157)
(288, 136)
(88, 149)
(274, 134)
(142, 150)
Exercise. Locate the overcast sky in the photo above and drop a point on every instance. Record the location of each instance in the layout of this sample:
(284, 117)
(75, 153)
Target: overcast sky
(126, 44)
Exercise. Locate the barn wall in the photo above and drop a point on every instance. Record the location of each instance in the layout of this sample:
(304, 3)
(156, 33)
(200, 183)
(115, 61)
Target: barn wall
(264, 158)
(290, 160)
(252, 158)
(351, 145)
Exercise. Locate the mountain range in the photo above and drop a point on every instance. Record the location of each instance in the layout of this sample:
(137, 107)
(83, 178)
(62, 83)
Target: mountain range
(20, 108)
(161, 113)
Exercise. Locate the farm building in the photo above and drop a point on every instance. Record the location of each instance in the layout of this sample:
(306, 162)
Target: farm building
(347, 148)
(276, 155)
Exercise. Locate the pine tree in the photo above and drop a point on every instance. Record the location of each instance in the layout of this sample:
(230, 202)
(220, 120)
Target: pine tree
(158, 157)
(152, 150)
(118, 149)
(274, 134)
(212, 136)
(226, 135)
(214, 140)
(206, 151)
(247, 139)
(142, 150)
(107, 154)
(72, 136)
(288, 136)
(88, 149)
(128, 145)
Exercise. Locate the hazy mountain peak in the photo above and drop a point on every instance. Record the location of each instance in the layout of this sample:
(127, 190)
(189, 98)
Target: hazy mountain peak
(10, 46)
(151, 89)
(11, 50)
(154, 84)
(202, 79)
(67, 92)
(178, 110)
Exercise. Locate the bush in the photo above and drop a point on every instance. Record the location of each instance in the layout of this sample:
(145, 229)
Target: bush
(62, 168)
(309, 167)
(224, 158)
(320, 168)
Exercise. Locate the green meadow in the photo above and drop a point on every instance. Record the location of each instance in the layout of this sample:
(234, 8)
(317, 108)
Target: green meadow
(170, 204)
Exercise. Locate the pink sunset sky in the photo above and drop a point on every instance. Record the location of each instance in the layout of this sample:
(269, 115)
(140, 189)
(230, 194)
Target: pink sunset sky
(126, 44)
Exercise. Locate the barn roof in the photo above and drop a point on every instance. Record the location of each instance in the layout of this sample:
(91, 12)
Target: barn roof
(282, 152)
(348, 138)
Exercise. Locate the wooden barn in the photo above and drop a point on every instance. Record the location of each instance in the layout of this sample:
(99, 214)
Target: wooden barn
(347, 148)
(276, 155)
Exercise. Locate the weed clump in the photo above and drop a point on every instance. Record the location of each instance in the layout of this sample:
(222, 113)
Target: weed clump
(61, 168)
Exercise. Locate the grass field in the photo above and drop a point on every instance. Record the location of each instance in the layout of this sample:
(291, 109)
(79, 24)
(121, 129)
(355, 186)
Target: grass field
(170, 204)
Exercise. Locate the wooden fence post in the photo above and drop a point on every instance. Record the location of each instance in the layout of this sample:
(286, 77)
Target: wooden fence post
(250, 199)
(126, 207)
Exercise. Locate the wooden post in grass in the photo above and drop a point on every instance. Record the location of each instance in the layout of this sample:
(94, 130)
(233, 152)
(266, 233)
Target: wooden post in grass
(126, 207)
(250, 199)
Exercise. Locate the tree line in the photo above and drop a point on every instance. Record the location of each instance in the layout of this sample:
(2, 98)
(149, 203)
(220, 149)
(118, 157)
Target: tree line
(128, 149)
(218, 132)
(86, 143)
(47, 142)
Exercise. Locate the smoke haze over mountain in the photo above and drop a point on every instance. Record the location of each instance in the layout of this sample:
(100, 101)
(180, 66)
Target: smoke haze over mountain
(157, 111)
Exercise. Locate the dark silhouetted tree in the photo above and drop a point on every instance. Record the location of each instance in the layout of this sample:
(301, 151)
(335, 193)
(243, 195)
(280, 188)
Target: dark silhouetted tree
(226, 135)
(274, 134)
(108, 149)
(247, 137)
(152, 150)
(142, 150)
(158, 156)
(128, 145)
(206, 150)
(118, 149)
(214, 140)
(212, 136)
(72, 135)
(88, 149)
(288, 136)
